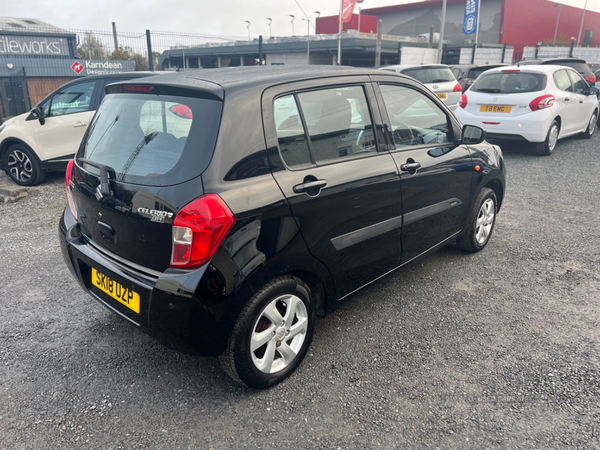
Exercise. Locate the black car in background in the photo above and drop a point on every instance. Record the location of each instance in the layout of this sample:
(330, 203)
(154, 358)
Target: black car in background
(466, 74)
(580, 65)
(221, 210)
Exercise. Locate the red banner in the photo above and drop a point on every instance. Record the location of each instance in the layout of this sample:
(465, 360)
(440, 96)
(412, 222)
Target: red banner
(347, 10)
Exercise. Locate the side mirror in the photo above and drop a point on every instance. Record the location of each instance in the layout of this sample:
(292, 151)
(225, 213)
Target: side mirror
(593, 91)
(472, 135)
(39, 114)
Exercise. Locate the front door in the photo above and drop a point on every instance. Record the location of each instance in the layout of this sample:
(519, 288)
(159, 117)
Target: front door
(68, 114)
(342, 185)
(435, 172)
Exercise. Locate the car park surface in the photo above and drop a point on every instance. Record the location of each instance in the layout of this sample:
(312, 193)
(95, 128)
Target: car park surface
(48, 136)
(492, 350)
(326, 208)
(539, 104)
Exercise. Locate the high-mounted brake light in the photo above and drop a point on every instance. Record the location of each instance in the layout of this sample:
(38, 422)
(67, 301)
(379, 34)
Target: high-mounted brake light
(511, 70)
(132, 88)
(457, 88)
(70, 199)
(591, 79)
(463, 101)
(198, 230)
(543, 102)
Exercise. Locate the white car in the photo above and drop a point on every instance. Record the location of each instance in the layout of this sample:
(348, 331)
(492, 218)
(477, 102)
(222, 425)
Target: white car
(536, 103)
(437, 77)
(46, 138)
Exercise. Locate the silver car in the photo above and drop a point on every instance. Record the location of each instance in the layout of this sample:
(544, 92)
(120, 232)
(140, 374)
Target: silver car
(437, 77)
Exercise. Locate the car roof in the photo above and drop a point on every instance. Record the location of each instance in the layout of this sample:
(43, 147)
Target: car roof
(234, 78)
(414, 66)
(108, 76)
(547, 68)
(551, 61)
(473, 66)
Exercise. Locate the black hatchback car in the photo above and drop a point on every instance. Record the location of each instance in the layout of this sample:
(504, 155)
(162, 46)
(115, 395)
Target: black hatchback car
(466, 74)
(221, 210)
(580, 65)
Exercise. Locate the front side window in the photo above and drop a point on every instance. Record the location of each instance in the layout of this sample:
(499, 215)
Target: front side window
(562, 80)
(580, 85)
(338, 125)
(74, 99)
(415, 119)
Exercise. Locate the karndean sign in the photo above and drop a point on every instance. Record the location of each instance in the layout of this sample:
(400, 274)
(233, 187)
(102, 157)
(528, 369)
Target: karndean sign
(101, 67)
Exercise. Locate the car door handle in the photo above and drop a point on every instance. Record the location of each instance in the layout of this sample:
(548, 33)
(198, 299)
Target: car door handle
(410, 166)
(79, 124)
(317, 184)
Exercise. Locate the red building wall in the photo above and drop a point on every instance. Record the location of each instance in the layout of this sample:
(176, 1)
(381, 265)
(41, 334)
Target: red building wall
(330, 24)
(525, 22)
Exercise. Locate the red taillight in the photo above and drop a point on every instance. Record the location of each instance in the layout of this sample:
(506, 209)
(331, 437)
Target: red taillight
(543, 102)
(511, 70)
(70, 199)
(457, 88)
(198, 230)
(591, 79)
(132, 88)
(463, 101)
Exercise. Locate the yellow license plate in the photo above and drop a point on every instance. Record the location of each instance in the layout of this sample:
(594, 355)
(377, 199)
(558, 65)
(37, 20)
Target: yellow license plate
(442, 96)
(495, 108)
(122, 294)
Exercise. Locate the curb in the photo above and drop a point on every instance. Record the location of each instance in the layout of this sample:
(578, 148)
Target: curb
(11, 194)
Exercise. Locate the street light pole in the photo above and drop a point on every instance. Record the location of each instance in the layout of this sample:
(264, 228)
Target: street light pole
(270, 20)
(441, 43)
(339, 56)
(307, 42)
(359, 9)
(248, 27)
(557, 19)
(581, 27)
(293, 17)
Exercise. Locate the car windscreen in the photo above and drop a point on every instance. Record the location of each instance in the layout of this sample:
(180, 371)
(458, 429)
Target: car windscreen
(509, 83)
(474, 73)
(430, 74)
(580, 67)
(152, 140)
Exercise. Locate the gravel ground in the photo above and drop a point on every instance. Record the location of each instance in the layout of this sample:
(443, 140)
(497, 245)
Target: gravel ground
(493, 350)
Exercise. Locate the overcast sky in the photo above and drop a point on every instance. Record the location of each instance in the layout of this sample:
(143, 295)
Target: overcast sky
(220, 17)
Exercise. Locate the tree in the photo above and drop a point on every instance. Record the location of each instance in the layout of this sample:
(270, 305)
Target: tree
(91, 48)
(122, 54)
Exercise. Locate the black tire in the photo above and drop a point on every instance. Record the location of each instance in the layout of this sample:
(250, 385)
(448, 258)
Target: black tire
(23, 166)
(473, 240)
(547, 147)
(591, 127)
(241, 363)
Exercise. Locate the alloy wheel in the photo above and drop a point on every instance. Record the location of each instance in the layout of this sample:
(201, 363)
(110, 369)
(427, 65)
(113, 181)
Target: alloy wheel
(592, 124)
(485, 221)
(20, 166)
(278, 334)
(553, 137)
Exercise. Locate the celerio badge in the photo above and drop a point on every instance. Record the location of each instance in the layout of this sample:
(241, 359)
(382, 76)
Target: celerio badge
(155, 215)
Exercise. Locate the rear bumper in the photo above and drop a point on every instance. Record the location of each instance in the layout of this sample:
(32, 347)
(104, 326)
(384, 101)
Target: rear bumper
(531, 127)
(170, 309)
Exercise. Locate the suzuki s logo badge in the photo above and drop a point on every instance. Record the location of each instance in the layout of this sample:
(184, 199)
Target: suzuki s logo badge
(155, 215)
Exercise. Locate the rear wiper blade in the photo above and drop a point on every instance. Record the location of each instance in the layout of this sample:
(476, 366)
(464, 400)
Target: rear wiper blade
(439, 81)
(104, 188)
(489, 90)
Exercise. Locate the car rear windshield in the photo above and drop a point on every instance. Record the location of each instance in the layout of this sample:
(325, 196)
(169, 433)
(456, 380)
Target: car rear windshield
(152, 140)
(431, 74)
(510, 83)
(474, 73)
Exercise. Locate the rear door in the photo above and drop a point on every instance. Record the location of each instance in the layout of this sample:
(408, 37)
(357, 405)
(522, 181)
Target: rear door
(585, 103)
(340, 181)
(567, 101)
(68, 113)
(435, 172)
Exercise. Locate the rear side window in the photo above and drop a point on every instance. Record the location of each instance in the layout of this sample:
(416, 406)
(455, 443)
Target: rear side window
(562, 80)
(338, 125)
(430, 75)
(580, 85)
(510, 83)
(151, 140)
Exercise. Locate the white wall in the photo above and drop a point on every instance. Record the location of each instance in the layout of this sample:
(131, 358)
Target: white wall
(590, 54)
(418, 55)
(485, 55)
